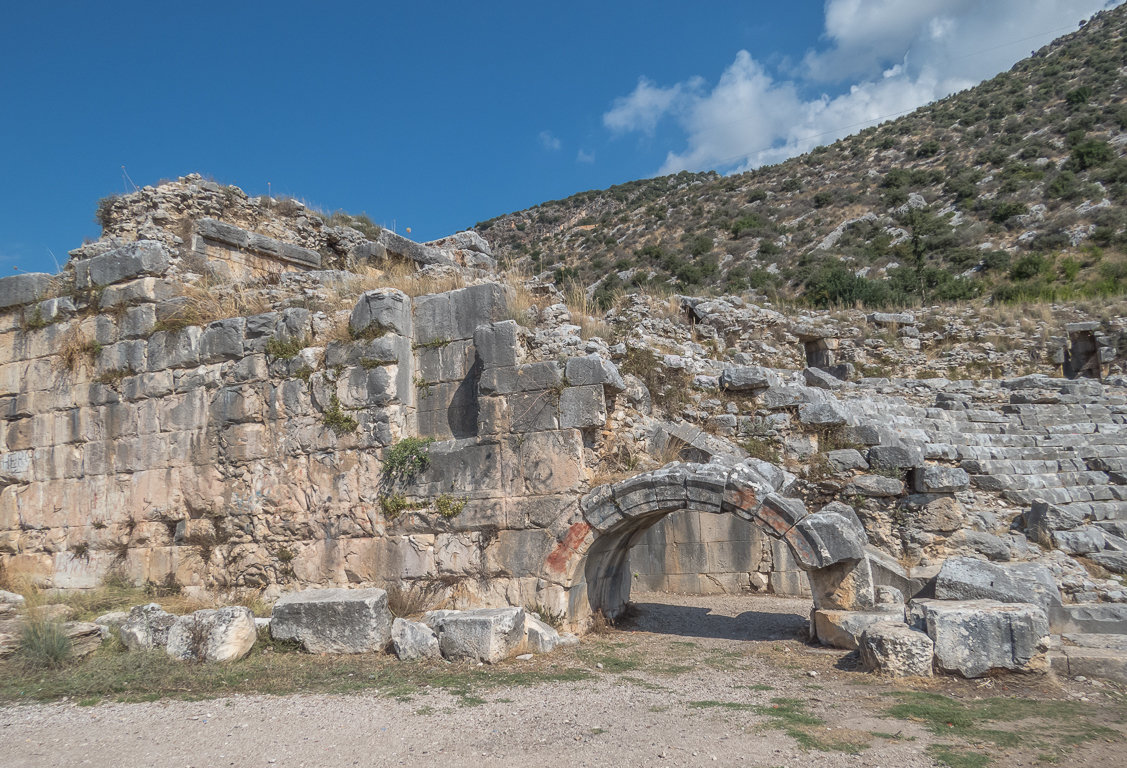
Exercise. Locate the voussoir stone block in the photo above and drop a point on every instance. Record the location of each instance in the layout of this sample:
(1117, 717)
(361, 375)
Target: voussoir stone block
(487, 634)
(334, 620)
(222, 634)
(897, 650)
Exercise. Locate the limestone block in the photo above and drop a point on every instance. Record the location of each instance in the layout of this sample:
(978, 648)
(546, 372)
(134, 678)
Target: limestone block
(142, 290)
(843, 629)
(519, 553)
(748, 378)
(496, 344)
(789, 397)
(174, 349)
(593, 369)
(976, 637)
(413, 640)
(845, 586)
(896, 650)
(533, 377)
(833, 539)
(876, 486)
(968, 578)
(446, 362)
(822, 414)
(241, 239)
(582, 407)
(146, 628)
(895, 456)
(23, 288)
(334, 620)
(246, 442)
(816, 377)
(1096, 618)
(934, 479)
(543, 462)
(143, 257)
(1085, 540)
(223, 634)
(459, 466)
(941, 515)
(846, 459)
(539, 637)
(137, 322)
(223, 340)
(381, 311)
(457, 314)
(488, 634)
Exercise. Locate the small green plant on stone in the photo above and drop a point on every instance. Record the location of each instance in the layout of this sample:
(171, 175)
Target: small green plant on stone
(394, 504)
(450, 506)
(761, 448)
(304, 373)
(284, 349)
(113, 376)
(336, 419)
(433, 344)
(407, 458)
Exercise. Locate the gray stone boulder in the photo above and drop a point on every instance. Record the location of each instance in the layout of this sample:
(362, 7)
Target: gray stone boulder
(380, 311)
(146, 628)
(413, 640)
(976, 637)
(10, 603)
(1084, 540)
(221, 634)
(23, 288)
(968, 578)
(816, 377)
(822, 414)
(539, 637)
(111, 622)
(748, 378)
(932, 479)
(334, 620)
(485, 634)
(1044, 518)
(896, 650)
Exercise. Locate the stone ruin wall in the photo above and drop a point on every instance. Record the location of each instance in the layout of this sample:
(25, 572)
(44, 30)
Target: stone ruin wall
(196, 455)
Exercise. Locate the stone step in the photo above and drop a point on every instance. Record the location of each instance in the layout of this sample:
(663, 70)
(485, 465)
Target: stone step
(1080, 661)
(1096, 510)
(1000, 453)
(1090, 618)
(1109, 464)
(1068, 495)
(1024, 466)
(1024, 482)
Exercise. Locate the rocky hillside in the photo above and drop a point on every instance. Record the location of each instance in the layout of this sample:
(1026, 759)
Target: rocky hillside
(1014, 189)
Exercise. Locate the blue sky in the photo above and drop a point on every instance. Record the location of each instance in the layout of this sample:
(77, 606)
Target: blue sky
(435, 115)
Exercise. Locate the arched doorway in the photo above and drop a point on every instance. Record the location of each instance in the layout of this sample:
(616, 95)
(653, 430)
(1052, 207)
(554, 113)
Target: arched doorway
(591, 561)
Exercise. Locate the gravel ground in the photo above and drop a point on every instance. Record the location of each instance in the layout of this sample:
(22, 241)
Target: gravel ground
(638, 717)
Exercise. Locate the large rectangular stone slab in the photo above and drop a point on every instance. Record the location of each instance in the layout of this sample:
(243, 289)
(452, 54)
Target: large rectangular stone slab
(334, 620)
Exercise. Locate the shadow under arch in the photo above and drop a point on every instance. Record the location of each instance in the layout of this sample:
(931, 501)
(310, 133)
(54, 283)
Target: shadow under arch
(592, 559)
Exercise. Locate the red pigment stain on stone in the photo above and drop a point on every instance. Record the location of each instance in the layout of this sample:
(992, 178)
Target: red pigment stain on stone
(557, 560)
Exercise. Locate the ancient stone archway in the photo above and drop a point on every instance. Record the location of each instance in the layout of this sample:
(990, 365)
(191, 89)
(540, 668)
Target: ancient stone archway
(591, 560)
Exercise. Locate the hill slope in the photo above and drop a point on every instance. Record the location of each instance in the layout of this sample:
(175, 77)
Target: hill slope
(1015, 188)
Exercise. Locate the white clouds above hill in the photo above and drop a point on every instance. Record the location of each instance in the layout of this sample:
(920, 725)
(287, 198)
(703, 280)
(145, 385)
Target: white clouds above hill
(893, 55)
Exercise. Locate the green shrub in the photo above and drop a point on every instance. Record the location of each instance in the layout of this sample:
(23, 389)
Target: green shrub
(407, 458)
(1090, 153)
(284, 348)
(449, 506)
(1028, 266)
(336, 419)
(1004, 211)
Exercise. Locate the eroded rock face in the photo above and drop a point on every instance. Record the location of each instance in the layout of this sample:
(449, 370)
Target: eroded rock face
(223, 634)
(334, 620)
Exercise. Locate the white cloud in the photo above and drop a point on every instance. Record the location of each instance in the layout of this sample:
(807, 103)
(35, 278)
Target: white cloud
(549, 141)
(584, 156)
(894, 56)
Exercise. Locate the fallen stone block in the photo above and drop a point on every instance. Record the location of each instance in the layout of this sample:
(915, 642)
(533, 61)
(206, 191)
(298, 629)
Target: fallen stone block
(968, 578)
(976, 637)
(816, 377)
(221, 634)
(146, 628)
(539, 637)
(486, 634)
(896, 650)
(334, 620)
(748, 378)
(413, 640)
(85, 637)
(895, 456)
(843, 629)
(822, 414)
(846, 460)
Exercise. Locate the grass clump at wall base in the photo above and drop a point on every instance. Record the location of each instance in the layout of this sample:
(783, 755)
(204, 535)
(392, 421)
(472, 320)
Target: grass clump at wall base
(336, 419)
(407, 458)
(44, 644)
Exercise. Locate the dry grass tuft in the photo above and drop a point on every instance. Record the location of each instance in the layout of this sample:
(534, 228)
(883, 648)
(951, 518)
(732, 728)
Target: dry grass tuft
(76, 351)
(414, 599)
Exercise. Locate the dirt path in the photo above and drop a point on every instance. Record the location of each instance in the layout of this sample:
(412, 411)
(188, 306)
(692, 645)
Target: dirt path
(696, 683)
